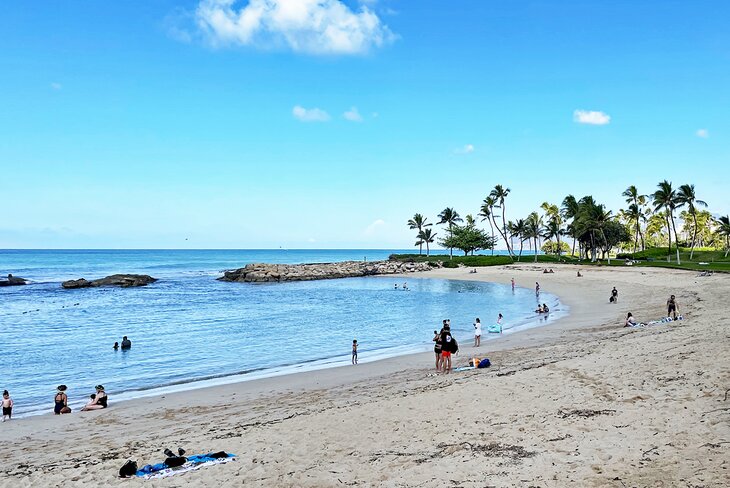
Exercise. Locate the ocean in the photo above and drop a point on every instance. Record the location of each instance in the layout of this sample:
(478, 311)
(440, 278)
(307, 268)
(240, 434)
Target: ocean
(189, 330)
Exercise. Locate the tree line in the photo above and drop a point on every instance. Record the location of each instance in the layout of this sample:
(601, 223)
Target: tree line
(649, 220)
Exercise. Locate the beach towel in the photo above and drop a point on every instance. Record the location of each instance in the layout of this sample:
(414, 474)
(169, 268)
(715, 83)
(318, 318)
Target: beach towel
(160, 470)
(464, 368)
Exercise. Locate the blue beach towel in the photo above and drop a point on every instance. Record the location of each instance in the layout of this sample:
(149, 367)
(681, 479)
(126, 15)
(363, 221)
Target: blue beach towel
(160, 470)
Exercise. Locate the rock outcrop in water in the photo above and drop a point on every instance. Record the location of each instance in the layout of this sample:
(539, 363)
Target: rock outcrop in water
(13, 281)
(262, 273)
(123, 280)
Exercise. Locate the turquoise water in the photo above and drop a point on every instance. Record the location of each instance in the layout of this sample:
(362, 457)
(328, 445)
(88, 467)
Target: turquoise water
(190, 330)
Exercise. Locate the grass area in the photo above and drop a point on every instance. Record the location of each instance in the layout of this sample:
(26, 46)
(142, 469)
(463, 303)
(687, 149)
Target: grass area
(715, 260)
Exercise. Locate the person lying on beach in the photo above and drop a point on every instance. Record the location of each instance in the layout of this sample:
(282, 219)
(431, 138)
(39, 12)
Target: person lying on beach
(61, 401)
(98, 401)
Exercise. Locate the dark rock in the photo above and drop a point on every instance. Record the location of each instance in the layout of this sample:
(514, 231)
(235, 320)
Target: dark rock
(13, 281)
(123, 280)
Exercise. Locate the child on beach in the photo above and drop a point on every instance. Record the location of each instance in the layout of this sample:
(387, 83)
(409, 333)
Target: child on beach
(7, 405)
(354, 351)
(477, 333)
(437, 348)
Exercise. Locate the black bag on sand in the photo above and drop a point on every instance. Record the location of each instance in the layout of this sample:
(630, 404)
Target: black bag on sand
(129, 469)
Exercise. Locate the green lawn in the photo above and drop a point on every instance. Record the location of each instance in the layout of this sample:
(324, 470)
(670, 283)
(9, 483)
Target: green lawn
(715, 260)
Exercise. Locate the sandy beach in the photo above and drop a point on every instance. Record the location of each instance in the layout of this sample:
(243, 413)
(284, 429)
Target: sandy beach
(581, 402)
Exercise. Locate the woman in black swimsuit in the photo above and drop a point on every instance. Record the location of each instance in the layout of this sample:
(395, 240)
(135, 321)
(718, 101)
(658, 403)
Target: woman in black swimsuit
(437, 348)
(61, 401)
(99, 402)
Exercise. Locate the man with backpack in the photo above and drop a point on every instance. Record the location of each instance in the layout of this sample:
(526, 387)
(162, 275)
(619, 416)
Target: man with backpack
(449, 346)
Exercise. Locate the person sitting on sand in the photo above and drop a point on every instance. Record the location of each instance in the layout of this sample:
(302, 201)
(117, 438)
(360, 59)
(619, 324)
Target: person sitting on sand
(672, 307)
(579, 275)
(97, 402)
(545, 271)
(630, 321)
(126, 343)
(551, 270)
(61, 401)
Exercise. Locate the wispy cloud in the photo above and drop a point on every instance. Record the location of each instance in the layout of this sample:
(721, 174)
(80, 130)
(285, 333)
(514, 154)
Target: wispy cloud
(310, 114)
(305, 26)
(372, 228)
(353, 115)
(591, 117)
(703, 133)
(467, 149)
(56, 86)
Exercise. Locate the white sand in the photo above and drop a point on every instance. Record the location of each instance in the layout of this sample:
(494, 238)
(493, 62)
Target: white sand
(583, 402)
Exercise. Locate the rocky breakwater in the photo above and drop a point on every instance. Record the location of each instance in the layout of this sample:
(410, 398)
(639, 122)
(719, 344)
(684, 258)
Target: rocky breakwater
(262, 273)
(122, 280)
(13, 281)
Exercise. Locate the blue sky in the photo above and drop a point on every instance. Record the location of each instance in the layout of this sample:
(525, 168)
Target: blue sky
(327, 124)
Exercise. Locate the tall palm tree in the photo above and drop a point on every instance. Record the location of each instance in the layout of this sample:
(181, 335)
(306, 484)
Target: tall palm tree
(552, 230)
(555, 222)
(666, 198)
(499, 194)
(723, 230)
(486, 212)
(418, 222)
(686, 196)
(533, 224)
(518, 229)
(426, 236)
(634, 213)
(450, 217)
(569, 210)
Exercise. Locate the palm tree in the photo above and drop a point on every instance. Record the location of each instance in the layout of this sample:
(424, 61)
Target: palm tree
(634, 212)
(426, 236)
(555, 222)
(666, 198)
(686, 196)
(487, 213)
(533, 224)
(418, 222)
(552, 229)
(518, 229)
(569, 210)
(499, 194)
(724, 230)
(449, 216)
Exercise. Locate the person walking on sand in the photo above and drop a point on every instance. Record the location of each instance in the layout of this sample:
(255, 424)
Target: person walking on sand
(614, 295)
(672, 307)
(477, 332)
(61, 401)
(7, 406)
(354, 351)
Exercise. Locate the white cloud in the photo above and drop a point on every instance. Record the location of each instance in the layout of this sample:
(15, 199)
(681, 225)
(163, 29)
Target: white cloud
(306, 26)
(467, 149)
(56, 86)
(703, 133)
(591, 117)
(370, 229)
(310, 114)
(353, 115)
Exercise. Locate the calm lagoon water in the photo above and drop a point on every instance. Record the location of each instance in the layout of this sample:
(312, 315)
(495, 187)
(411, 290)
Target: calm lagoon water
(189, 330)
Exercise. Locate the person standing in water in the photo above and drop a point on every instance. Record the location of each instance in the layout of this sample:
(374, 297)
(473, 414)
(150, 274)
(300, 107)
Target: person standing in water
(477, 332)
(354, 351)
(513, 284)
(7, 406)
(126, 343)
(537, 288)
